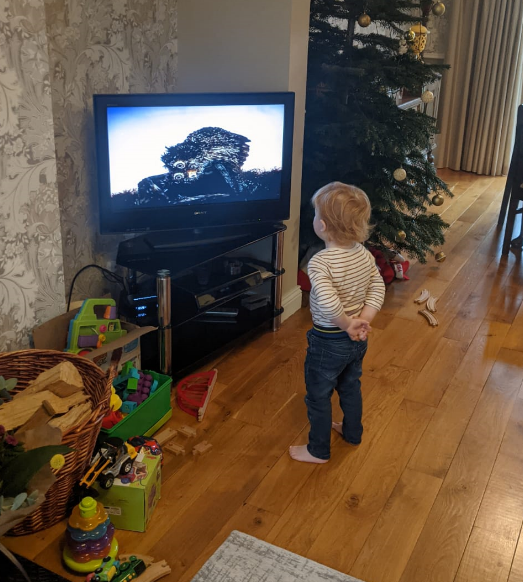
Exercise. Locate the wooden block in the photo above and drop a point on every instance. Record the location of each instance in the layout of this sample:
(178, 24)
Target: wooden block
(55, 405)
(165, 436)
(73, 417)
(187, 431)
(62, 380)
(174, 448)
(202, 448)
(40, 417)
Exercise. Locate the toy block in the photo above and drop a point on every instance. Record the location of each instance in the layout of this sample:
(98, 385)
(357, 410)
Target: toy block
(132, 385)
(127, 367)
(128, 406)
(110, 312)
(202, 448)
(154, 386)
(165, 436)
(134, 398)
(87, 341)
(187, 431)
(174, 448)
(132, 375)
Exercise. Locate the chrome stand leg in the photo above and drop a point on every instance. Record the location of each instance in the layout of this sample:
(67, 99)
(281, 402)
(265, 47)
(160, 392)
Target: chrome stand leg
(278, 294)
(163, 291)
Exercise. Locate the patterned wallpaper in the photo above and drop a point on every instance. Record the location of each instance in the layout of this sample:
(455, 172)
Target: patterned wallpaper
(99, 46)
(31, 265)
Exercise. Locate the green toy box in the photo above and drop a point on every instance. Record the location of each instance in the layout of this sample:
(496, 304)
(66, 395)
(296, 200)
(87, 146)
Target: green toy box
(147, 418)
(131, 500)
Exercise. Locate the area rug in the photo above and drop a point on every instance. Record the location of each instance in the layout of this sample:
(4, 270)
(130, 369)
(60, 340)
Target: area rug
(242, 558)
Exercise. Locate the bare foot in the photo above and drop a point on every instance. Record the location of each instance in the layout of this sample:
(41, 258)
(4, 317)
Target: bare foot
(302, 454)
(337, 426)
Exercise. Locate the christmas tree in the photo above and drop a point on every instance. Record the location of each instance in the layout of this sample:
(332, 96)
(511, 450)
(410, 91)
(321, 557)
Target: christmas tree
(354, 130)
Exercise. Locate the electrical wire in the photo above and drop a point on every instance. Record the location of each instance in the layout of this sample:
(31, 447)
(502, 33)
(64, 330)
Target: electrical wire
(107, 275)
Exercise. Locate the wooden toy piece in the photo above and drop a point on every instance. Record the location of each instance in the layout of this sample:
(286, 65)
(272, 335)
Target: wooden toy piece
(193, 393)
(62, 380)
(202, 448)
(187, 431)
(429, 317)
(425, 294)
(165, 436)
(174, 448)
(431, 304)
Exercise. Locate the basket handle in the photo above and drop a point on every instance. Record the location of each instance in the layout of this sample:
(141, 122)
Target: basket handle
(113, 367)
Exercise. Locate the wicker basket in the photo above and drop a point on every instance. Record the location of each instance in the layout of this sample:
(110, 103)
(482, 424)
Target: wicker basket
(26, 365)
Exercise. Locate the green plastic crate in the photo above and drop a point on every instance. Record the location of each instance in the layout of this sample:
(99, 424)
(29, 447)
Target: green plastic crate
(149, 416)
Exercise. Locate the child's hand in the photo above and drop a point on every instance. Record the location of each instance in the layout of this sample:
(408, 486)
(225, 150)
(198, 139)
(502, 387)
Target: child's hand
(358, 329)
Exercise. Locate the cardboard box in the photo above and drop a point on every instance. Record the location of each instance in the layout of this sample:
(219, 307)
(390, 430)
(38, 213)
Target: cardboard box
(52, 335)
(131, 500)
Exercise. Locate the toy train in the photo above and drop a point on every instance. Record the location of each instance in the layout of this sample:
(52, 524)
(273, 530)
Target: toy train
(115, 571)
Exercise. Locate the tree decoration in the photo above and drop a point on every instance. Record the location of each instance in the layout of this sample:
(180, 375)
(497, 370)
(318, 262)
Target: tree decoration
(355, 133)
(440, 257)
(364, 20)
(430, 158)
(420, 39)
(438, 200)
(400, 174)
(427, 96)
(438, 9)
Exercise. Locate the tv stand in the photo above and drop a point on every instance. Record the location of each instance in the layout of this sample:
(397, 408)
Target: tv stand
(203, 290)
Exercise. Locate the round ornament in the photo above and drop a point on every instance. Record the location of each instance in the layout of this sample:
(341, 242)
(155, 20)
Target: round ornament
(400, 174)
(364, 20)
(410, 36)
(438, 200)
(430, 158)
(420, 38)
(427, 97)
(438, 9)
(440, 257)
(401, 235)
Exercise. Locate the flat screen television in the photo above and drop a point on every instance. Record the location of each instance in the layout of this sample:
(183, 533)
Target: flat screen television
(188, 161)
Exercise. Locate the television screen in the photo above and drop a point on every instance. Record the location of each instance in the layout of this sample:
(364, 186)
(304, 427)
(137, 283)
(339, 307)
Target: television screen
(185, 161)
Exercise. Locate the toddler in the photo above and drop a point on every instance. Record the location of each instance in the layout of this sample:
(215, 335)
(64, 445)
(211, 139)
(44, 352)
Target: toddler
(347, 292)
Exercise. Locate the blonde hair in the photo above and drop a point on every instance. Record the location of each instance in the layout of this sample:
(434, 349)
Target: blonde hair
(345, 210)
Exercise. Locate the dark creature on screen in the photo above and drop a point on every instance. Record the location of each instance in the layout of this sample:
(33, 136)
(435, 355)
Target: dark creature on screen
(205, 167)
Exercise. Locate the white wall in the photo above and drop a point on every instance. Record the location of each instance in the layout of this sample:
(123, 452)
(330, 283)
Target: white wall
(251, 45)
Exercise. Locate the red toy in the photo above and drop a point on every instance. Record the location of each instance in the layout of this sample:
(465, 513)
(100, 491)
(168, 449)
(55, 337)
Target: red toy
(194, 392)
(148, 443)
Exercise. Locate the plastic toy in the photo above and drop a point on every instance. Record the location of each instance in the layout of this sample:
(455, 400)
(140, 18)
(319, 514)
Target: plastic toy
(106, 572)
(89, 537)
(194, 392)
(149, 444)
(87, 330)
(114, 457)
(129, 570)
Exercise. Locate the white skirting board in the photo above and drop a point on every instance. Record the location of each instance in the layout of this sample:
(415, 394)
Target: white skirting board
(291, 302)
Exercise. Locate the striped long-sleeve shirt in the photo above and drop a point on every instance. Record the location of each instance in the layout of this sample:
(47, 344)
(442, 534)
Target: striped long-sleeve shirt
(343, 281)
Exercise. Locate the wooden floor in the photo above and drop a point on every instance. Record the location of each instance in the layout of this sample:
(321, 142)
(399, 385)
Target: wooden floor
(435, 491)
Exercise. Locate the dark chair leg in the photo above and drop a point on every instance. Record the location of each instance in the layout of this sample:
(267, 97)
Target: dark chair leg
(505, 201)
(509, 228)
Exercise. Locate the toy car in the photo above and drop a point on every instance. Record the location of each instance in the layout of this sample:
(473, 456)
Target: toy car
(114, 457)
(151, 445)
(106, 572)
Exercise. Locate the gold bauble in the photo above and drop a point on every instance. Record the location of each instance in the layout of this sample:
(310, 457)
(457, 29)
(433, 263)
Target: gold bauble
(364, 20)
(401, 235)
(420, 39)
(438, 9)
(427, 96)
(400, 174)
(438, 200)
(410, 36)
(440, 257)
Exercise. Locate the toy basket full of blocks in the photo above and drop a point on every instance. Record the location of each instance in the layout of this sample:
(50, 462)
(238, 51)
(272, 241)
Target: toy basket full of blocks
(79, 433)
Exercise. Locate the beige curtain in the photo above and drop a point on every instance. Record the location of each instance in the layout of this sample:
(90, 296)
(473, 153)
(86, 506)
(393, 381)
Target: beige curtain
(484, 87)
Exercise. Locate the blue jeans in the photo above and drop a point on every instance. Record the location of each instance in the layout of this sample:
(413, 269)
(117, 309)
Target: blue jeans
(333, 364)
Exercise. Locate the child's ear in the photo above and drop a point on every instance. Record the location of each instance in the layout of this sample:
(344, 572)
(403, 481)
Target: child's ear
(323, 226)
